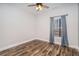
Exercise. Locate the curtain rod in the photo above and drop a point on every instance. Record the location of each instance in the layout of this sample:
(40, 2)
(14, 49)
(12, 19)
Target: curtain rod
(59, 15)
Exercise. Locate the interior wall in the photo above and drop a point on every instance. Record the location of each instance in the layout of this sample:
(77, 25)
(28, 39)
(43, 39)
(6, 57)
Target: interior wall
(72, 23)
(78, 24)
(17, 24)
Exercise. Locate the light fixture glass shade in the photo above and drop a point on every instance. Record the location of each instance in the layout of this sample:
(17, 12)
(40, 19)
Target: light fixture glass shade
(39, 7)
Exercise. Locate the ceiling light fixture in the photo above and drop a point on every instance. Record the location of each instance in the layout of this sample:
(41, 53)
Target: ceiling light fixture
(38, 6)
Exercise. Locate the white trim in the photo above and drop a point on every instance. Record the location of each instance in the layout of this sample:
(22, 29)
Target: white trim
(13, 45)
(10, 46)
(76, 47)
(60, 44)
(44, 40)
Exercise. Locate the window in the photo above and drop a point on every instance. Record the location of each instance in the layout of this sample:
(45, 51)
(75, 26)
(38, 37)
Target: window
(57, 26)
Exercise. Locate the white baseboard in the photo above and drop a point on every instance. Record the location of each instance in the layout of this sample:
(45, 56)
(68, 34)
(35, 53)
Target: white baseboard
(10, 46)
(44, 40)
(76, 47)
(60, 44)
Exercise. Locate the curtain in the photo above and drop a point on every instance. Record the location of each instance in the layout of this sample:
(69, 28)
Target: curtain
(64, 40)
(63, 33)
(51, 31)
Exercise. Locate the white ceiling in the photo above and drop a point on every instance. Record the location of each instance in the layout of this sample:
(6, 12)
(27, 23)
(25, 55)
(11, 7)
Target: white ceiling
(33, 10)
(51, 6)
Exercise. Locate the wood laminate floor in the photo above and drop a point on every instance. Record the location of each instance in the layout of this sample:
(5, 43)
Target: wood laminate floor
(39, 48)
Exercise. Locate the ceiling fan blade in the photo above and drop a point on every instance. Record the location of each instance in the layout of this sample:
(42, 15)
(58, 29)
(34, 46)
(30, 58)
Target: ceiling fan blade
(45, 6)
(31, 5)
